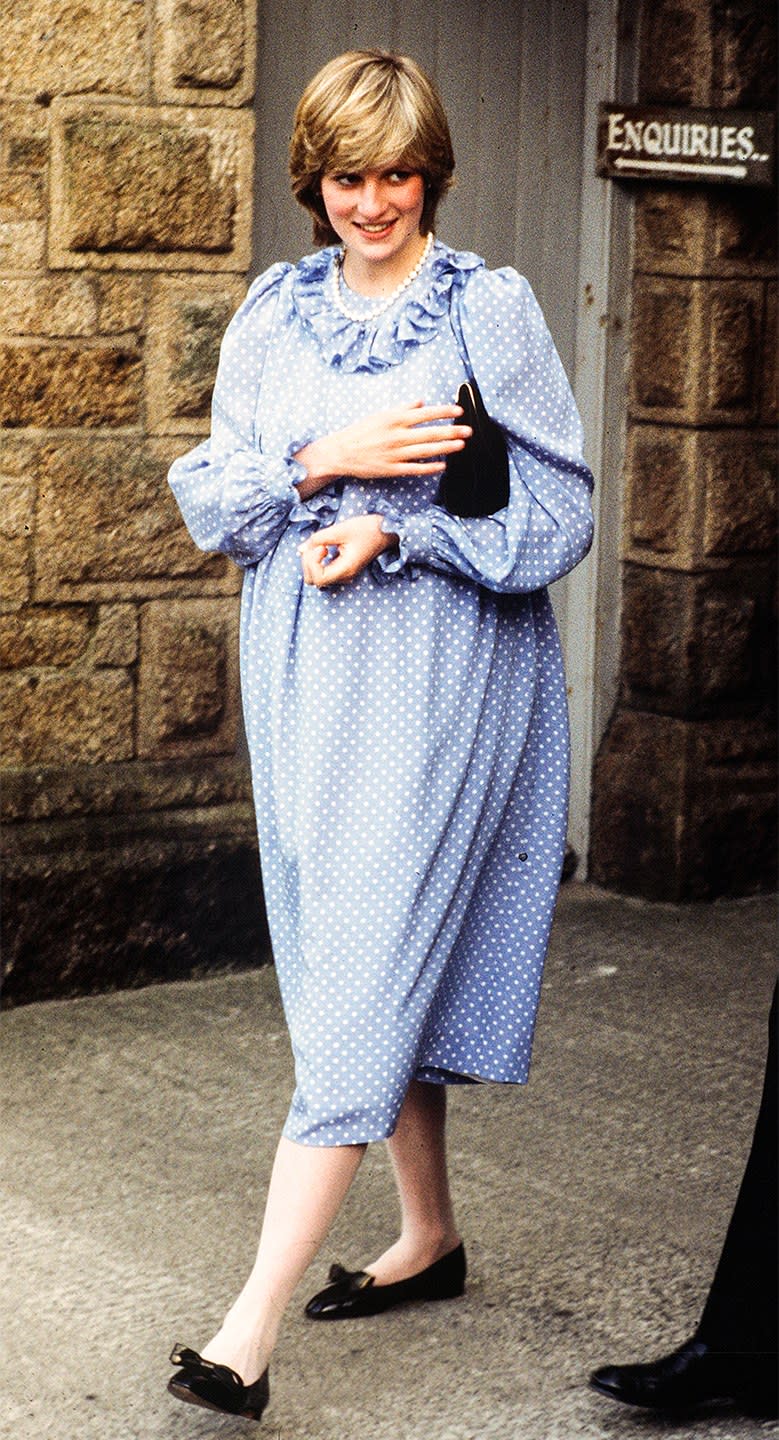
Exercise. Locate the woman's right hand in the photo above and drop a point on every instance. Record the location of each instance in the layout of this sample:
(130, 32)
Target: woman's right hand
(389, 444)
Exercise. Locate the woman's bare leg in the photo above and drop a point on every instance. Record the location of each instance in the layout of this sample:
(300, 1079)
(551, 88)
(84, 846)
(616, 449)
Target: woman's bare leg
(418, 1153)
(307, 1188)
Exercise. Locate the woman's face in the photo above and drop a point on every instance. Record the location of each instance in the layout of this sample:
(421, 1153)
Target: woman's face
(377, 214)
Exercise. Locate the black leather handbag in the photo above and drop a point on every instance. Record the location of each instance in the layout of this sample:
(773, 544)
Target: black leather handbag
(476, 478)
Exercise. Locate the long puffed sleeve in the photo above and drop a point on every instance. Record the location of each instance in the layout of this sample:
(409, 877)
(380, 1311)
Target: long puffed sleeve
(546, 528)
(234, 498)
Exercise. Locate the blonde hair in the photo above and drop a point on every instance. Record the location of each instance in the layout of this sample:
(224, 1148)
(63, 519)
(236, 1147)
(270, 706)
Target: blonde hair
(367, 110)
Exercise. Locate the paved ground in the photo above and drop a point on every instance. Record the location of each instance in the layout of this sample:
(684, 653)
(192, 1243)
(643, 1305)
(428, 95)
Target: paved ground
(140, 1127)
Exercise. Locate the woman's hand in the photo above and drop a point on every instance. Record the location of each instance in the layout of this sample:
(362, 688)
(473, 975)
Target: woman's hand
(389, 444)
(357, 541)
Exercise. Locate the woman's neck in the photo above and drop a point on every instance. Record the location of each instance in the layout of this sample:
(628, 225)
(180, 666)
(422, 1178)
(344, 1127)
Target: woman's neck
(377, 278)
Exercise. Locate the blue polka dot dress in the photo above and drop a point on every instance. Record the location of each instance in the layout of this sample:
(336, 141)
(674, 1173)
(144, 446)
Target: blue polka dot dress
(408, 731)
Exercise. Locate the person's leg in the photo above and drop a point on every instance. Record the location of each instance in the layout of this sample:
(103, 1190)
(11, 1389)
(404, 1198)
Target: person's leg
(418, 1152)
(307, 1188)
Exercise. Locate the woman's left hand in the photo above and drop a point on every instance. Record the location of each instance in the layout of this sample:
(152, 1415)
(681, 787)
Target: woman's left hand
(357, 542)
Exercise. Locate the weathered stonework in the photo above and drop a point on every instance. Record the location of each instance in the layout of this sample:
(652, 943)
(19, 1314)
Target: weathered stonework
(186, 323)
(205, 53)
(685, 810)
(685, 779)
(53, 47)
(108, 527)
(740, 471)
(188, 679)
(54, 306)
(141, 187)
(22, 245)
(16, 509)
(660, 507)
(61, 718)
(123, 302)
(126, 150)
(43, 637)
(65, 385)
(116, 636)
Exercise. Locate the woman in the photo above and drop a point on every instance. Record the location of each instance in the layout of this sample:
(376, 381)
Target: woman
(402, 685)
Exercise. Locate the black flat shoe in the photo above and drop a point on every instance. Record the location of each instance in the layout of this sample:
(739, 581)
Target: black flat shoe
(216, 1387)
(353, 1293)
(693, 1375)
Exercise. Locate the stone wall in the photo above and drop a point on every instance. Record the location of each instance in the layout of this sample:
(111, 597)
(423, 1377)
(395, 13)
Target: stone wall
(125, 212)
(685, 782)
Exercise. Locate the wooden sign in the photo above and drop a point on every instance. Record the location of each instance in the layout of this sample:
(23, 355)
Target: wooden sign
(653, 142)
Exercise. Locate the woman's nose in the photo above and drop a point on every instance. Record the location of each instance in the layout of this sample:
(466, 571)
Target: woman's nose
(372, 200)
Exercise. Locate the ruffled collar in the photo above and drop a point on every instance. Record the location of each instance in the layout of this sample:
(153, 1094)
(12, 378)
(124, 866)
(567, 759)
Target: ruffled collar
(364, 345)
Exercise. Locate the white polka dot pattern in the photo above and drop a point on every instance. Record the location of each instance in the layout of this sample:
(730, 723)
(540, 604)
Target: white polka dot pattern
(408, 732)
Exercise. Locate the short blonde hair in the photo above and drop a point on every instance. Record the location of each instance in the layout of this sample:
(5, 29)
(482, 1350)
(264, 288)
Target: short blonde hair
(366, 110)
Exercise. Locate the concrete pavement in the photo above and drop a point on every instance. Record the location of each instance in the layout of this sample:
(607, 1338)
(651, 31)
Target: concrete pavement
(139, 1130)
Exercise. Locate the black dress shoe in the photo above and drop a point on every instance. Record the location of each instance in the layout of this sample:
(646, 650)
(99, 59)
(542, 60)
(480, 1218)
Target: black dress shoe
(692, 1375)
(353, 1293)
(216, 1387)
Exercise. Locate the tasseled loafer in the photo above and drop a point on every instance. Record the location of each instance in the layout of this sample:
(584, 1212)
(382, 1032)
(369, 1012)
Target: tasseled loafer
(352, 1294)
(216, 1387)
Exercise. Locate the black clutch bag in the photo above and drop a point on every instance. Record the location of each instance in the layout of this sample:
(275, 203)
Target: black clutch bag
(476, 478)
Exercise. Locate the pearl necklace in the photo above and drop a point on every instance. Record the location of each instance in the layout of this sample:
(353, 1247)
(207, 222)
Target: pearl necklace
(366, 317)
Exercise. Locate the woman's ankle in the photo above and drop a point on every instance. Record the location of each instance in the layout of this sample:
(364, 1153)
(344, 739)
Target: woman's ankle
(411, 1254)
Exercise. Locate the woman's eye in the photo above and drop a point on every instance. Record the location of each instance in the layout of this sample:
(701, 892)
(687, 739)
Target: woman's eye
(399, 177)
(346, 180)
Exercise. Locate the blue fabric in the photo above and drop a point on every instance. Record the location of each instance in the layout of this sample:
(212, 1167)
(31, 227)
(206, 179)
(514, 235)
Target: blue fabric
(408, 732)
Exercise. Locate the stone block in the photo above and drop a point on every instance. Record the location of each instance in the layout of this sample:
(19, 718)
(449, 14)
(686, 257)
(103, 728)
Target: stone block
(731, 827)
(50, 637)
(691, 642)
(666, 328)
(116, 636)
(26, 137)
(21, 197)
(657, 624)
(49, 385)
(743, 232)
(17, 500)
(676, 53)
(739, 470)
(60, 718)
(205, 53)
(131, 789)
(770, 401)
(186, 323)
(51, 305)
(188, 678)
(745, 59)
(109, 529)
(671, 225)
(638, 799)
(698, 231)
(685, 810)
(732, 326)
(22, 244)
(142, 187)
(53, 47)
(661, 492)
(123, 302)
(92, 905)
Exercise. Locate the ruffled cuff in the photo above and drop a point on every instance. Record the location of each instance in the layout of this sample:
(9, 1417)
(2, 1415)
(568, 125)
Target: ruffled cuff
(319, 509)
(414, 547)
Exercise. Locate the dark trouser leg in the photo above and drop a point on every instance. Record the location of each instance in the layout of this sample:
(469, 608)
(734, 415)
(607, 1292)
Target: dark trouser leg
(740, 1315)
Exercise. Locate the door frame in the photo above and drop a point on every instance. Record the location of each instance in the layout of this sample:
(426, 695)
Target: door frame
(590, 629)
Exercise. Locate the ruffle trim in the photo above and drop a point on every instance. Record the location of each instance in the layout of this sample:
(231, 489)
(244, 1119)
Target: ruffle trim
(350, 345)
(414, 534)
